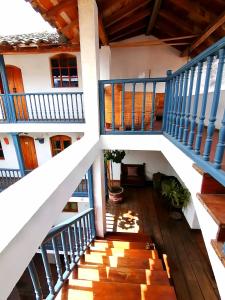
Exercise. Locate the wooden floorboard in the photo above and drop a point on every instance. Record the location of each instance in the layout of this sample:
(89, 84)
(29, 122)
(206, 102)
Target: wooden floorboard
(144, 211)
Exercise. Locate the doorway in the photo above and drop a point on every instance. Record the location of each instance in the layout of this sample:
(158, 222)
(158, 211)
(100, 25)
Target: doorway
(28, 152)
(15, 82)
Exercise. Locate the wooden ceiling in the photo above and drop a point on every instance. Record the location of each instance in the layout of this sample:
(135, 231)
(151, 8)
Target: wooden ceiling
(188, 25)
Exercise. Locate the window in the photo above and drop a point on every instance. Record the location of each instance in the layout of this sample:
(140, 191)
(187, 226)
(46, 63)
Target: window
(59, 143)
(1, 152)
(64, 70)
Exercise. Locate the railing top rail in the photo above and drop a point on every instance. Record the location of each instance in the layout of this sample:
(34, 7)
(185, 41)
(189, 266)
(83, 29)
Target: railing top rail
(212, 50)
(134, 80)
(63, 225)
(8, 169)
(43, 93)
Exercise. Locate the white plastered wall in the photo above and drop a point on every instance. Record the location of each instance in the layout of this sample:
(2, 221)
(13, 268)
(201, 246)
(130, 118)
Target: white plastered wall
(43, 151)
(136, 62)
(36, 72)
(154, 161)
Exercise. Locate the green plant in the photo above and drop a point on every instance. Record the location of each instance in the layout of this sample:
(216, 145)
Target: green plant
(111, 156)
(178, 195)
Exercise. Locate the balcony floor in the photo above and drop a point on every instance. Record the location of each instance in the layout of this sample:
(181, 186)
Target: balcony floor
(144, 211)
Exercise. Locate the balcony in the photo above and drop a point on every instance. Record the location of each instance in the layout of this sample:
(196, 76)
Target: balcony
(42, 108)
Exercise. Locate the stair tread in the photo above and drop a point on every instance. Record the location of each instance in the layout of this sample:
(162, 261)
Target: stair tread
(114, 261)
(121, 274)
(86, 290)
(125, 252)
(127, 236)
(214, 204)
(122, 244)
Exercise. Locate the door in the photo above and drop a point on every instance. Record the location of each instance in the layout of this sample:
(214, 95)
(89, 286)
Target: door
(28, 152)
(15, 81)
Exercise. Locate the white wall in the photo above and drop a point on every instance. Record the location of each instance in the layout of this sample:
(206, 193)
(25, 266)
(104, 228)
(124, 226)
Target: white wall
(36, 72)
(10, 161)
(43, 151)
(154, 161)
(140, 61)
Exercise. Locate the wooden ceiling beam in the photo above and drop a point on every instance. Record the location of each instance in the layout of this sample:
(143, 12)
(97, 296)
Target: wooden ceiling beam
(128, 22)
(185, 26)
(195, 9)
(216, 24)
(102, 33)
(125, 33)
(69, 27)
(153, 42)
(125, 12)
(57, 9)
(154, 16)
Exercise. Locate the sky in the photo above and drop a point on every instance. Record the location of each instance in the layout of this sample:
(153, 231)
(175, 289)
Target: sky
(17, 17)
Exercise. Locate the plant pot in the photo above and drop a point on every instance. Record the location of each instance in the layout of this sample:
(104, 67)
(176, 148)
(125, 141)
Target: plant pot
(176, 213)
(116, 194)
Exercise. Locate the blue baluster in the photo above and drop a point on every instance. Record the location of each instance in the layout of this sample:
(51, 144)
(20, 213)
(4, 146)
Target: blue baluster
(57, 259)
(133, 107)
(152, 114)
(76, 239)
(49, 108)
(166, 100)
(195, 107)
(35, 281)
(143, 107)
(63, 106)
(44, 104)
(220, 146)
(215, 103)
(67, 111)
(65, 252)
(188, 108)
(176, 98)
(80, 236)
(171, 105)
(39, 103)
(82, 109)
(203, 108)
(31, 99)
(47, 270)
(72, 257)
(72, 106)
(54, 106)
(182, 116)
(179, 105)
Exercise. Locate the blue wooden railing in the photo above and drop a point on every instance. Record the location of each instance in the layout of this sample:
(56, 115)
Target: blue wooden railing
(195, 109)
(132, 105)
(10, 176)
(42, 107)
(69, 240)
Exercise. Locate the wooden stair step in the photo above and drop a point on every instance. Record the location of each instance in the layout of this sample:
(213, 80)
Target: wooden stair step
(122, 244)
(87, 290)
(215, 205)
(105, 273)
(114, 261)
(127, 236)
(120, 252)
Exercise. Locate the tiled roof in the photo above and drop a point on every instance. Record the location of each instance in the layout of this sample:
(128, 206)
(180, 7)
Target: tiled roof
(32, 39)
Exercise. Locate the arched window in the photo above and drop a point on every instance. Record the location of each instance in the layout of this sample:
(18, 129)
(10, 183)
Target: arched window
(59, 143)
(64, 70)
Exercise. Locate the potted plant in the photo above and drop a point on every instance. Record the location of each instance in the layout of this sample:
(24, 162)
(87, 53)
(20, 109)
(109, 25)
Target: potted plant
(177, 195)
(113, 156)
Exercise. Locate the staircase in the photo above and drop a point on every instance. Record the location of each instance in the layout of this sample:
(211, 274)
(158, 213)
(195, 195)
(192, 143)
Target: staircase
(119, 267)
